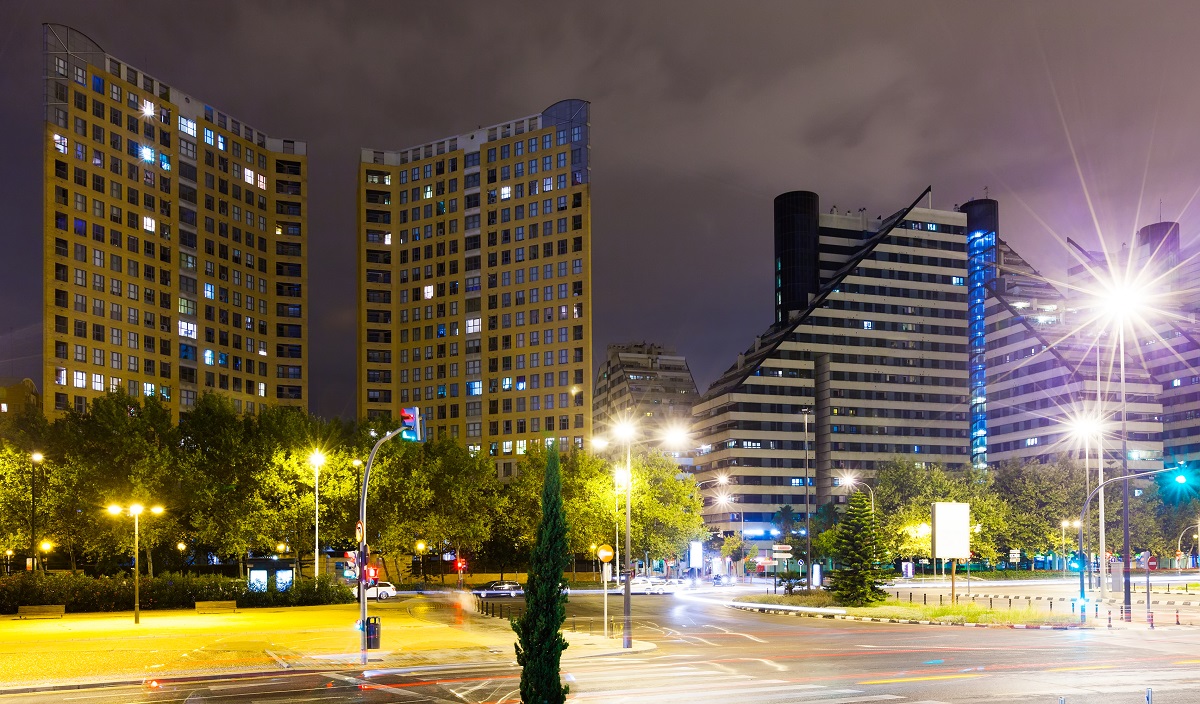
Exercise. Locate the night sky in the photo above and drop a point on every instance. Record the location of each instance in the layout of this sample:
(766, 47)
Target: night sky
(1079, 117)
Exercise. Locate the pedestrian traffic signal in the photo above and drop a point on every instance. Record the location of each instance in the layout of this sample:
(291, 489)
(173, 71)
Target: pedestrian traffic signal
(410, 424)
(351, 569)
(460, 565)
(370, 575)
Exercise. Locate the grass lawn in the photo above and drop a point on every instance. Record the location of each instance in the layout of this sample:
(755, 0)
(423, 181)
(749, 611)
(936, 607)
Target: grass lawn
(958, 613)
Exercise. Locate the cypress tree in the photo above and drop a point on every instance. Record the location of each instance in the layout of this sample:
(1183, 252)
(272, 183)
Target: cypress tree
(539, 642)
(856, 581)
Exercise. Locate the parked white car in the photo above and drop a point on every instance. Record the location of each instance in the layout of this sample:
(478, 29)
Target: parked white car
(381, 591)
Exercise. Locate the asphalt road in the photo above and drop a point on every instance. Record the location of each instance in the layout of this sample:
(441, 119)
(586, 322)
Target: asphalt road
(707, 652)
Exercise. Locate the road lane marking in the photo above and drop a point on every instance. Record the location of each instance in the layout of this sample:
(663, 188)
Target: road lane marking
(926, 678)
(1079, 667)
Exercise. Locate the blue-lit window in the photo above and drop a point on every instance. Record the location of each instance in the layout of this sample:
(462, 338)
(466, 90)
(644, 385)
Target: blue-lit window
(868, 325)
(1030, 442)
(221, 142)
(209, 291)
(474, 388)
(98, 84)
(164, 162)
(1176, 382)
(208, 357)
(958, 280)
(208, 136)
(520, 383)
(222, 359)
(441, 330)
(931, 226)
(148, 154)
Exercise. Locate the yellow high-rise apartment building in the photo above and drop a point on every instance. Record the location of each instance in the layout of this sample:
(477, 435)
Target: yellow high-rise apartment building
(474, 283)
(174, 254)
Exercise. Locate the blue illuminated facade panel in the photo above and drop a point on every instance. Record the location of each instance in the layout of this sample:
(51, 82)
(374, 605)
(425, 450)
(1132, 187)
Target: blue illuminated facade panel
(982, 224)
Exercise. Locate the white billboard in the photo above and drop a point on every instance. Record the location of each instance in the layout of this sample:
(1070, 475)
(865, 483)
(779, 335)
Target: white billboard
(951, 530)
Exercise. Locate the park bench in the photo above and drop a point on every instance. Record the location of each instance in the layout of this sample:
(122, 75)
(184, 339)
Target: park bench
(216, 607)
(46, 611)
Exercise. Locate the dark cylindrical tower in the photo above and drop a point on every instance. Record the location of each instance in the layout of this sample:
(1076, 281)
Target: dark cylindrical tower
(797, 251)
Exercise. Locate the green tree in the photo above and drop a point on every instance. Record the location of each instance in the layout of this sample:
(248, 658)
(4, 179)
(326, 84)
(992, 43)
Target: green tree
(540, 644)
(666, 508)
(856, 581)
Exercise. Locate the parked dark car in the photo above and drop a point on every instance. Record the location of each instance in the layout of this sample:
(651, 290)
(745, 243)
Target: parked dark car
(499, 588)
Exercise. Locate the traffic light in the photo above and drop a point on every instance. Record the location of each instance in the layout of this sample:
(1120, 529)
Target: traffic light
(410, 424)
(351, 568)
(460, 565)
(370, 575)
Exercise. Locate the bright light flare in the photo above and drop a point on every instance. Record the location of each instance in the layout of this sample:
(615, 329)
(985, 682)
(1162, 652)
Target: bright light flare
(622, 477)
(136, 509)
(676, 436)
(317, 458)
(46, 546)
(37, 457)
(625, 430)
(599, 443)
(115, 510)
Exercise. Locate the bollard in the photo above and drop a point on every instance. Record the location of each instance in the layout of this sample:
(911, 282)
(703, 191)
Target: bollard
(1097, 611)
(939, 599)
(1149, 696)
(1176, 617)
(589, 626)
(924, 600)
(989, 602)
(1010, 603)
(1150, 618)
(910, 597)
(1110, 618)
(1051, 606)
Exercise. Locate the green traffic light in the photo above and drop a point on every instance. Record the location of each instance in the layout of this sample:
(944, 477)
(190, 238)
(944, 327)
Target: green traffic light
(1181, 478)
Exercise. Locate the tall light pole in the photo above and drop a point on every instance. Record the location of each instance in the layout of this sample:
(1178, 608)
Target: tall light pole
(34, 460)
(135, 510)
(316, 459)
(807, 505)
(1103, 547)
(625, 431)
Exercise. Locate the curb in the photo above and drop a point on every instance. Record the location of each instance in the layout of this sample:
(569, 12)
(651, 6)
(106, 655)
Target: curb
(35, 689)
(1170, 602)
(766, 609)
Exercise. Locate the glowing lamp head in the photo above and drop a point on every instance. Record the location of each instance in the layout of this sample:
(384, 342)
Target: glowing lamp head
(37, 457)
(624, 430)
(147, 154)
(676, 437)
(46, 546)
(136, 509)
(723, 500)
(147, 108)
(723, 479)
(157, 510)
(181, 546)
(356, 463)
(622, 477)
(317, 458)
(1123, 301)
(115, 510)
(420, 546)
(1181, 479)
(599, 443)
(8, 553)
(282, 547)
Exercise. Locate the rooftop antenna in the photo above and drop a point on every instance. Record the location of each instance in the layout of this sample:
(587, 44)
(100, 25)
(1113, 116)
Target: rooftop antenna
(1160, 209)
(985, 192)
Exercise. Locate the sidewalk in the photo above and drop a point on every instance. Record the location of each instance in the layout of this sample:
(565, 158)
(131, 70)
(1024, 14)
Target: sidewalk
(108, 648)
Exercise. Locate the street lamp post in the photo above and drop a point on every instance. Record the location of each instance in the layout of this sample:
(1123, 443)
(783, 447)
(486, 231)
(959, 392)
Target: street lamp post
(135, 510)
(34, 460)
(1180, 478)
(181, 547)
(8, 561)
(316, 459)
(807, 506)
(625, 431)
(1179, 547)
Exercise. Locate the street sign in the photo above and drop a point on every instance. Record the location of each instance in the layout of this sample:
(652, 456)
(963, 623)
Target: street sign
(1152, 563)
(783, 547)
(767, 563)
(358, 531)
(605, 553)
(606, 572)
(1014, 556)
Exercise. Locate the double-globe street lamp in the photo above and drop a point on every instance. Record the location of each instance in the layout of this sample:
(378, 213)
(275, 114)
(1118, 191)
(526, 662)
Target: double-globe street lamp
(626, 431)
(135, 510)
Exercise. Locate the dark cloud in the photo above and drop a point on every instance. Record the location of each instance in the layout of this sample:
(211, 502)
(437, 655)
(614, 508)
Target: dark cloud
(702, 113)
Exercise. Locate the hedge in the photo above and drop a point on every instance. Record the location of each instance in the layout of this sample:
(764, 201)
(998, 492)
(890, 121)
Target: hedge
(81, 593)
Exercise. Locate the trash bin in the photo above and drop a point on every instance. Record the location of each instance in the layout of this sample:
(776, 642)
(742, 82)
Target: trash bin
(372, 633)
